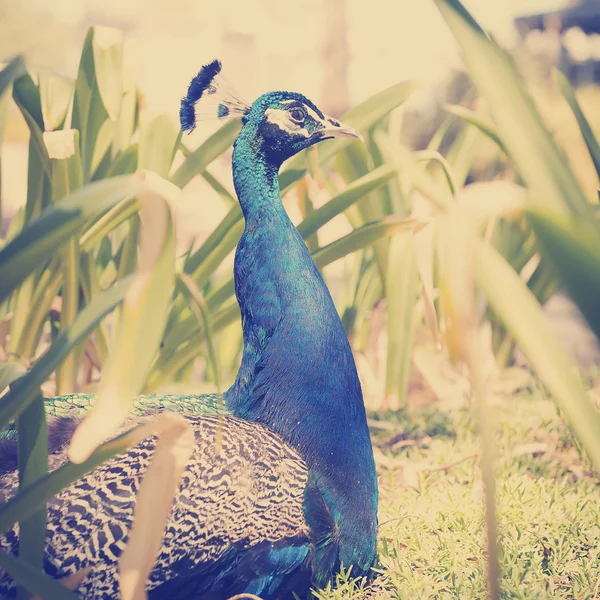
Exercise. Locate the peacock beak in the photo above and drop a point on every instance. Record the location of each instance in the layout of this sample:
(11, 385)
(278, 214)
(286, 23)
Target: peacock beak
(334, 128)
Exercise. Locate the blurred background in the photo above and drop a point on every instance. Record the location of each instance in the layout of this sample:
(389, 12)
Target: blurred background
(338, 53)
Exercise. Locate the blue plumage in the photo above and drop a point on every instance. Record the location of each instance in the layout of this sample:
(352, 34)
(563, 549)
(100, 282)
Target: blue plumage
(293, 495)
(298, 374)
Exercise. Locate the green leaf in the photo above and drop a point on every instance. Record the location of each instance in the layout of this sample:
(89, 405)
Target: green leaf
(32, 442)
(428, 155)
(198, 304)
(127, 120)
(34, 580)
(366, 114)
(56, 92)
(586, 131)
(573, 247)
(12, 70)
(125, 163)
(359, 238)
(197, 161)
(462, 153)
(107, 48)
(475, 119)
(524, 318)
(401, 294)
(24, 390)
(27, 98)
(340, 202)
(220, 238)
(158, 138)
(10, 370)
(89, 113)
(190, 346)
(99, 229)
(289, 177)
(539, 161)
(67, 176)
(43, 236)
(140, 328)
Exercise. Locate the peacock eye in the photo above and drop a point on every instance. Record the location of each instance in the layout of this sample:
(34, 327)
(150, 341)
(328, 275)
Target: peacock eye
(298, 115)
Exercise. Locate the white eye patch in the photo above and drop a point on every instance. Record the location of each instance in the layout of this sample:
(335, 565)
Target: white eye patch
(281, 118)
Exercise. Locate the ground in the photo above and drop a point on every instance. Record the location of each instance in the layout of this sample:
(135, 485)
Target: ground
(432, 542)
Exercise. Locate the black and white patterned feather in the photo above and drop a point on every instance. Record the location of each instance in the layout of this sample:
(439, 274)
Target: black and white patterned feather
(242, 490)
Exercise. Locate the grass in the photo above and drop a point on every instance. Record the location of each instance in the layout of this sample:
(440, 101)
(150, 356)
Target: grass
(431, 507)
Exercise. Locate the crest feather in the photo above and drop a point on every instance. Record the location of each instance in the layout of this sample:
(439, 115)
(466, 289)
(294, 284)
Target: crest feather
(209, 96)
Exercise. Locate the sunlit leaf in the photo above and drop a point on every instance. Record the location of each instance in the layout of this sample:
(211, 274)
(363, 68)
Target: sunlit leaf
(586, 131)
(522, 315)
(539, 161)
(140, 329)
(573, 246)
(24, 390)
(199, 159)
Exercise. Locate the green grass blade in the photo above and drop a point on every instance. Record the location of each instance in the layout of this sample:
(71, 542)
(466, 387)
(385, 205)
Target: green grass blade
(127, 120)
(125, 163)
(197, 161)
(222, 231)
(522, 315)
(573, 247)
(190, 346)
(289, 177)
(584, 126)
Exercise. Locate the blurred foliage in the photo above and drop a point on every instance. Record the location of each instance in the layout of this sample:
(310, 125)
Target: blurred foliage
(423, 249)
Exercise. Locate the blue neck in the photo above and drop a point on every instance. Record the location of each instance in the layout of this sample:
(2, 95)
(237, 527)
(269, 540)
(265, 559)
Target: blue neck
(298, 374)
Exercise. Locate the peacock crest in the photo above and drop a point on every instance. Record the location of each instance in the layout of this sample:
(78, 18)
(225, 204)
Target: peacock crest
(209, 96)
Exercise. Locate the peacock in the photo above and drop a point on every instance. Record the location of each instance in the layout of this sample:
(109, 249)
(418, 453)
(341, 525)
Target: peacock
(290, 496)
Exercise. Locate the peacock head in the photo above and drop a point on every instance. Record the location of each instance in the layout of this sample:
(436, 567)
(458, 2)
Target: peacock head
(279, 124)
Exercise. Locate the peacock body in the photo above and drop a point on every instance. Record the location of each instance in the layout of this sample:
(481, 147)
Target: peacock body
(290, 494)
